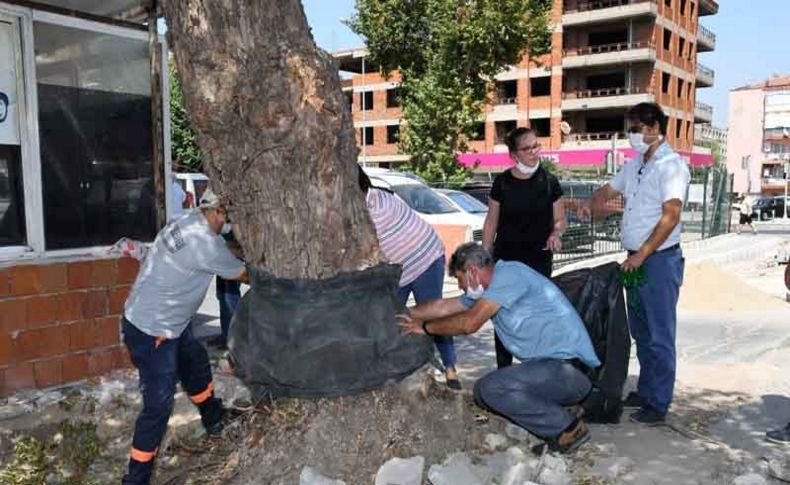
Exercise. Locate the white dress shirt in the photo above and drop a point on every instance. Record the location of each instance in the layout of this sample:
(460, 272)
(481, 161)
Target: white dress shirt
(646, 186)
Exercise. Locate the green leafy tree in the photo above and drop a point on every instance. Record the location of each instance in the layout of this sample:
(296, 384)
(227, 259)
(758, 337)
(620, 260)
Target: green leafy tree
(184, 150)
(447, 53)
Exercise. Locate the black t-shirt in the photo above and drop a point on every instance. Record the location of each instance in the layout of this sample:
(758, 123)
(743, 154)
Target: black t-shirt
(526, 213)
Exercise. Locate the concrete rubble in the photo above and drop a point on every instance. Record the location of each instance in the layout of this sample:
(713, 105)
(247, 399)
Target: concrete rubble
(400, 471)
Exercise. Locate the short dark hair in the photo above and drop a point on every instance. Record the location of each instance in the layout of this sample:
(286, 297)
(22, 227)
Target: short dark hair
(512, 138)
(469, 254)
(649, 114)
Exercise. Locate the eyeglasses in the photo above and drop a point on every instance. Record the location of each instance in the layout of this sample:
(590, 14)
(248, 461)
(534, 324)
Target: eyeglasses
(529, 148)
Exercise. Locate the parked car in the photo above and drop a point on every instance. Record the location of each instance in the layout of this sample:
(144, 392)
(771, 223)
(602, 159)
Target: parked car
(464, 202)
(479, 191)
(766, 208)
(428, 203)
(194, 184)
(607, 221)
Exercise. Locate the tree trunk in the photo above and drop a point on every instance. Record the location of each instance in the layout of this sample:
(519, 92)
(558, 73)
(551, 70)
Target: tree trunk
(276, 134)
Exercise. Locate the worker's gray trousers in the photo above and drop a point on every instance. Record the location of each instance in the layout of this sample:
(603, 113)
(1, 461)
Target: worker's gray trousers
(534, 394)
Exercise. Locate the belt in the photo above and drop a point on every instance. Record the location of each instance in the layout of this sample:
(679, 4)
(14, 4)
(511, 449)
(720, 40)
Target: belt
(665, 250)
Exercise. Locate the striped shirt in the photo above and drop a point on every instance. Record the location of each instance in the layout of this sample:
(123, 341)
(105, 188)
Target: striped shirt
(404, 237)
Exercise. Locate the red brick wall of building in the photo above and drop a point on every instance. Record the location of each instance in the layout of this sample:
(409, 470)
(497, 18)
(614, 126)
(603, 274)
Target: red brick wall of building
(59, 322)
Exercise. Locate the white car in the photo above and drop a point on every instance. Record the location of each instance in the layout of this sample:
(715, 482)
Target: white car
(428, 204)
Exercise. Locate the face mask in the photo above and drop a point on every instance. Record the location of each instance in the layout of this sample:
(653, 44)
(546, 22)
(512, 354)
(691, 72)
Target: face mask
(226, 228)
(474, 292)
(637, 141)
(526, 169)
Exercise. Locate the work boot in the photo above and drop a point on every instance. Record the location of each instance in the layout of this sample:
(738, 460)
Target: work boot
(779, 436)
(648, 416)
(571, 439)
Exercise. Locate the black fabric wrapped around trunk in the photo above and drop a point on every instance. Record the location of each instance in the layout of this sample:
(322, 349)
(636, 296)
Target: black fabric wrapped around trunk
(597, 295)
(313, 338)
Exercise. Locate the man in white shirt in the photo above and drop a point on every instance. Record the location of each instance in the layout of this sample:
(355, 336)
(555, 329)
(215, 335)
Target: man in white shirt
(170, 286)
(654, 184)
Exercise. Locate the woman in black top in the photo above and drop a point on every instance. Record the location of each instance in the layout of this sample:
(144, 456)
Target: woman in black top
(526, 216)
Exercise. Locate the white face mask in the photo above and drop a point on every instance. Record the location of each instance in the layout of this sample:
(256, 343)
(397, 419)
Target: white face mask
(226, 228)
(474, 292)
(526, 169)
(637, 141)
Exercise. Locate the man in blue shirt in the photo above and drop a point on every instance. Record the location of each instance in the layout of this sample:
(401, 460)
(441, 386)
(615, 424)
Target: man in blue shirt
(537, 324)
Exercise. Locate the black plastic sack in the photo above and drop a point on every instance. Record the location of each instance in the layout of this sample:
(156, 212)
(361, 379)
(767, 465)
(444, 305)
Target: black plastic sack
(311, 338)
(598, 296)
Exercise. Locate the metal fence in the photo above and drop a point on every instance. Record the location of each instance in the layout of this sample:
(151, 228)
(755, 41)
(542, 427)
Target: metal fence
(707, 213)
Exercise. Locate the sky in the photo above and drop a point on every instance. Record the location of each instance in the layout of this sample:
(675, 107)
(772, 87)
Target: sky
(752, 42)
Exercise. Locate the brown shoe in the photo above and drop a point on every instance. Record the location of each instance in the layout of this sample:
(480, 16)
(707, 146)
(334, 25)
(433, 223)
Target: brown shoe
(571, 439)
(577, 410)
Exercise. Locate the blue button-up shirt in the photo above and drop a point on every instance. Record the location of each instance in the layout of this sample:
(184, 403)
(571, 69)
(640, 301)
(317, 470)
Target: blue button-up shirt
(535, 320)
(646, 186)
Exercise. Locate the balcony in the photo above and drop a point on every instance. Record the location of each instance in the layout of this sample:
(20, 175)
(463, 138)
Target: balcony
(619, 97)
(706, 40)
(703, 113)
(601, 55)
(708, 7)
(607, 11)
(705, 76)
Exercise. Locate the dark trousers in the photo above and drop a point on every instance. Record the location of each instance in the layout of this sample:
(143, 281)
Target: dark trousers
(160, 364)
(540, 261)
(427, 287)
(228, 296)
(652, 317)
(534, 394)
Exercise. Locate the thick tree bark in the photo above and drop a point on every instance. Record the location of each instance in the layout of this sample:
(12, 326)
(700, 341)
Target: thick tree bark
(277, 139)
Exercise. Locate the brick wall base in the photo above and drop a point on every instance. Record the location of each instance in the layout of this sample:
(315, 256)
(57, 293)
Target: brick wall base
(60, 322)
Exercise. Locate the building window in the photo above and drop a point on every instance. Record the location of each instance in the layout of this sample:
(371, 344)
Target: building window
(691, 52)
(349, 98)
(393, 98)
(681, 47)
(366, 100)
(393, 134)
(540, 86)
(541, 126)
(668, 3)
(692, 6)
(94, 116)
(680, 88)
(12, 200)
(366, 135)
(605, 124)
(502, 129)
(682, 7)
(479, 132)
(778, 148)
(678, 129)
(507, 91)
(667, 39)
(665, 78)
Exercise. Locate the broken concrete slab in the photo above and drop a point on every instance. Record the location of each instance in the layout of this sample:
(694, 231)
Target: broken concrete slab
(400, 471)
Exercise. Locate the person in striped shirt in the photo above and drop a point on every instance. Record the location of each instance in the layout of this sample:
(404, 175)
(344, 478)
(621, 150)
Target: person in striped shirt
(408, 240)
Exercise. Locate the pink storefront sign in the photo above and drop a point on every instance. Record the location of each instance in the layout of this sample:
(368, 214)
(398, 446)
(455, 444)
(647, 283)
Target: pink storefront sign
(590, 157)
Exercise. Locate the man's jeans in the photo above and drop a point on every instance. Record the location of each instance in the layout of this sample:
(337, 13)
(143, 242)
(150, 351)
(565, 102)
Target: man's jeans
(652, 317)
(534, 394)
(161, 363)
(427, 287)
(228, 296)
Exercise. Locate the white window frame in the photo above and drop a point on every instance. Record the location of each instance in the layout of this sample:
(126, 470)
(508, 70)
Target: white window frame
(23, 18)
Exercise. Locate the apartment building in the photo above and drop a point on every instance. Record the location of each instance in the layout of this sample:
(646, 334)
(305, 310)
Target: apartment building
(606, 56)
(759, 149)
(711, 136)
